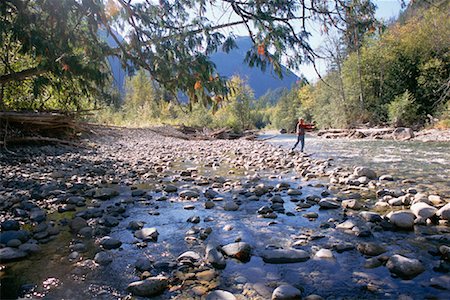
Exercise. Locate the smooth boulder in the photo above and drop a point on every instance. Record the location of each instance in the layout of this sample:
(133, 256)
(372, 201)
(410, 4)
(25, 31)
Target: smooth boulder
(403, 267)
(286, 292)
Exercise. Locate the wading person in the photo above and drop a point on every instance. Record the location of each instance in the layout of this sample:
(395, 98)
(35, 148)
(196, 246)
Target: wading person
(301, 129)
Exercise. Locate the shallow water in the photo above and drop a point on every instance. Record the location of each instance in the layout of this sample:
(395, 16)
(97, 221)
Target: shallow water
(426, 162)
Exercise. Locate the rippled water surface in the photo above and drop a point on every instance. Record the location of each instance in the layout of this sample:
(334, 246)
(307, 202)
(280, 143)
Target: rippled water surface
(428, 162)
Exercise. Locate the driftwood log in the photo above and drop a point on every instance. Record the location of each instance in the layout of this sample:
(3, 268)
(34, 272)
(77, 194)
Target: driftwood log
(48, 127)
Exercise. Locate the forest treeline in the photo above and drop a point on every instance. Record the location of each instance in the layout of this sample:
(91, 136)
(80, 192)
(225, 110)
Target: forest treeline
(378, 74)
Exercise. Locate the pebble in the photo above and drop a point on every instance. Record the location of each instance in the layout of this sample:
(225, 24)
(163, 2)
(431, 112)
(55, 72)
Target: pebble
(147, 234)
(240, 251)
(220, 295)
(284, 256)
(110, 243)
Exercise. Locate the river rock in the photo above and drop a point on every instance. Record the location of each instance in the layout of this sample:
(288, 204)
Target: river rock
(402, 133)
(441, 282)
(188, 194)
(329, 203)
(241, 251)
(313, 297)
(10, 225)
(135, 225)
(105, 193)
(215, 258)
(147, 234)
(444, 212)
(324, 253)
(149, 287)
(21, 235)
(403, 267)
(284, 256)
(230, 206)
(38, 215)
(294, 192)
(220, 295)
(170, 188)
(110, 243)
(349, 224)
(402, 219)
(423, 210)
(370, 216)
(286, 292)
(311, 215)
(371, 249)
(77, 223)
(103, 258)
(364, 172)
(351, 204)
(8, 253)
(143, 264)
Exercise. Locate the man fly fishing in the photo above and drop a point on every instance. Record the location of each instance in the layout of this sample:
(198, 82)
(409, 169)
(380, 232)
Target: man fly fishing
(301, 129)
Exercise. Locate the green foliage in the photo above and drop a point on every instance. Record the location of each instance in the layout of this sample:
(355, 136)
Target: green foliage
(410, 59)
(402, 110)
(56, 48)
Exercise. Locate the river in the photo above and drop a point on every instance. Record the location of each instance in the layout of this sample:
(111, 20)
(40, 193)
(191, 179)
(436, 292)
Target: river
(426, 162)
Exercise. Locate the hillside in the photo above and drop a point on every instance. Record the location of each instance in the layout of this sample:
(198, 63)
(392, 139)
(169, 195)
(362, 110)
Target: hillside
(228, 64)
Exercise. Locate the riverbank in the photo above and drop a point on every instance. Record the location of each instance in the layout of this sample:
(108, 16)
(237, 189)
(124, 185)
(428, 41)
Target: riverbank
(133, 212)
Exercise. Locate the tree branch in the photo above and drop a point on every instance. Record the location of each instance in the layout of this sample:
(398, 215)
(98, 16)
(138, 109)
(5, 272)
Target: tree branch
(22, 75)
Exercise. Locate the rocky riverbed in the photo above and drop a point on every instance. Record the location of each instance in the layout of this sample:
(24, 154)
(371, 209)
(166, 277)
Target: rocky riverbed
(132, 213)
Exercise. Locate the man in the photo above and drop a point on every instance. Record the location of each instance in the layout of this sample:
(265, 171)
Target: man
(301, 128)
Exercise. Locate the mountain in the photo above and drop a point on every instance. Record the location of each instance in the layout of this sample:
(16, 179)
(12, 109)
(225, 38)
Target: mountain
(232, 63)
(227, 64)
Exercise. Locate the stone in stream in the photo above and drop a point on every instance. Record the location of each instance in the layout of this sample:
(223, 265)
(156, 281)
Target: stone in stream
(444, 212)
(370, 216)
(9, 253)
(209, 204)
(143, 263)
(38, 215)
(193, 219)
(294, 192)
(14, 243)
(110, 243)
(210, 194)
(349, 224)
(215, 258)
(311, 215)
(135, 225)
(402, 219)
(149, 287)
(188, 194)
(110, 221)
(366, 172)
(403, 267)
(105, 193)
(441, 282)
(147, 234)
(103, 258)
(230, 206)
(329, 203)
(423, 210)
(241, 251)
(21, 235)
(371, 249)
(276, 199)
(286, 292)
(351, 204)
(138, 193)
(170, 188)
(284, 256)
(324, 253)
(77, 223)
(220, 295)
(402, 133)
(313, 297)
